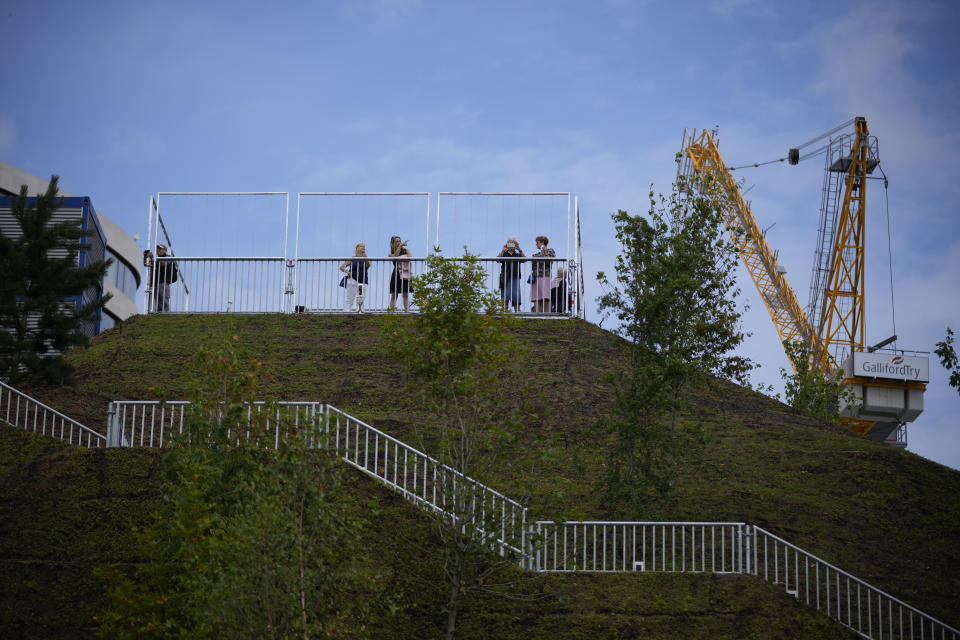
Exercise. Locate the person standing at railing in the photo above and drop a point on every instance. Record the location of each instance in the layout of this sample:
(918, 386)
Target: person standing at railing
(559, 292)
(510, 273)
(402, 270)
(356, 279)
(163, 275)
(540, 278)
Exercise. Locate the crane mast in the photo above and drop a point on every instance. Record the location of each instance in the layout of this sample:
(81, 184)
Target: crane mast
(839, 309)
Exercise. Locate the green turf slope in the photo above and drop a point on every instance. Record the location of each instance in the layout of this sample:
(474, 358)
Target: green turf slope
(885, 515)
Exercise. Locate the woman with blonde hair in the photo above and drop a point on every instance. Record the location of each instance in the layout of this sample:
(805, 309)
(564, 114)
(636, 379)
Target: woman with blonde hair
(402, 270)
(540, 287)
(356, 278)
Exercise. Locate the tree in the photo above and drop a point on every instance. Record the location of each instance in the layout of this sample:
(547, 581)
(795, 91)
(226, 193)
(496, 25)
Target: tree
(948, 358)
(251, 541)
(809, 390)
(458, 358)
(43, 290)
(674, 300)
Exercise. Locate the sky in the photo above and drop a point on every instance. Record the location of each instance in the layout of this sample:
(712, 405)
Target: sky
(128, 99)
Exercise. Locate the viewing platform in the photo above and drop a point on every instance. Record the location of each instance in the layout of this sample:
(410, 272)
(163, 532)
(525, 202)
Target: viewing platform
(242, 253)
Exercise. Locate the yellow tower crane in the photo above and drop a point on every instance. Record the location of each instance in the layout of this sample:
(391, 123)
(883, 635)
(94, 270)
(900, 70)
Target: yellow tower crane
(886, 385)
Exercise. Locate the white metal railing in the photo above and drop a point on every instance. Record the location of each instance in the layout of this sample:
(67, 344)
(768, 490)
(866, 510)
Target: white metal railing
(594, 546)
(850, 601)
(419, 477)
(898, 437)
(276, 285)
(426, 481)
(318, 284)
(23, 412)
(149, 423)
(224, 285)
(543, 546)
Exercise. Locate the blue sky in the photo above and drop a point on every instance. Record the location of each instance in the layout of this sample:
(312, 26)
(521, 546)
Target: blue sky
(125, 99)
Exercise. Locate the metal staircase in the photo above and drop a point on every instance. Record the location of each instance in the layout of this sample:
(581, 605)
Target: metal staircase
(541, 546)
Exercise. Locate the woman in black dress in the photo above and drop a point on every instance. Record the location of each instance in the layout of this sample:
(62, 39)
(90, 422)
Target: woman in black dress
(402, 270)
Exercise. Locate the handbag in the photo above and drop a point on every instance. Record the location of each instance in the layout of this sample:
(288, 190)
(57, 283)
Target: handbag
(531, 278)
(343, 281)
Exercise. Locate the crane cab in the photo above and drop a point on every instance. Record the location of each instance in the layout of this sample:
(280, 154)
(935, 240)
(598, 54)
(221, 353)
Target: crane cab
(881, 391)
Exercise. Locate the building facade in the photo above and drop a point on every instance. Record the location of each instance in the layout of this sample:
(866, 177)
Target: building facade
(106, 240)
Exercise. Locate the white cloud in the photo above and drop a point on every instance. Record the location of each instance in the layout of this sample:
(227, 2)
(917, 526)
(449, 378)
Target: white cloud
(862, 67)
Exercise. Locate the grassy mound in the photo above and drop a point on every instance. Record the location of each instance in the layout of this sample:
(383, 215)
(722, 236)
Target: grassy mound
(886, 515)
(66, 511)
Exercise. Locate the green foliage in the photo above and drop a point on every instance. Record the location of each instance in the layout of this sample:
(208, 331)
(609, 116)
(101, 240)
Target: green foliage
(250, 542)
(674, 300)
(457, 358)
(948, 358)
(809, 390)
(40, 276)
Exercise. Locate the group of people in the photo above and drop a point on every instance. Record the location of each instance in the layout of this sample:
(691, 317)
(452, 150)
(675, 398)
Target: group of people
(357, 275)
(546, 294)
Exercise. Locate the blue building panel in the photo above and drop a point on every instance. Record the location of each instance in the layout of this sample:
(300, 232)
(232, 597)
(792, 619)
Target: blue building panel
(93, 249)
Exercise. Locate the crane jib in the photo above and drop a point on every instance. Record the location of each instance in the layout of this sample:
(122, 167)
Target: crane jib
(777, 294)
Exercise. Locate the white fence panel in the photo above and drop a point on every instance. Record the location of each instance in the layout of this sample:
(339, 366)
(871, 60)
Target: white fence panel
(596, 546)
(225, 285)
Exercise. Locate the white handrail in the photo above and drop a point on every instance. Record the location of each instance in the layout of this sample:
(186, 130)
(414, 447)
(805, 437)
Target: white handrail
(416, 475)
(840, 595)
(272, 284)
(542, 546)
(20, 410)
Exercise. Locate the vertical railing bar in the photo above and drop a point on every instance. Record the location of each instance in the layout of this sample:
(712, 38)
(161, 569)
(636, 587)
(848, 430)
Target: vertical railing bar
(623, 538)
(827, 584)
(603, 566)
(703, 548)
(643, 545)
(723, 550)
(663, 548)
(673, 548)
(594, 547)
(818, 585)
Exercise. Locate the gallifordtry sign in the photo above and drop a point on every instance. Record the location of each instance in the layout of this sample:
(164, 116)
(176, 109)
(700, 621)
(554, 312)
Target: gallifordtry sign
(891, 366)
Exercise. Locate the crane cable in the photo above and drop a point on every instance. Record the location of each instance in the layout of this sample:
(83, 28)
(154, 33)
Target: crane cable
(828, 133)
(756, 164)
(886, 198)
(813, 153)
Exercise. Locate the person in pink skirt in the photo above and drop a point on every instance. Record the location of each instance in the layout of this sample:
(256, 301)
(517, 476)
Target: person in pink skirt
(540, 287)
